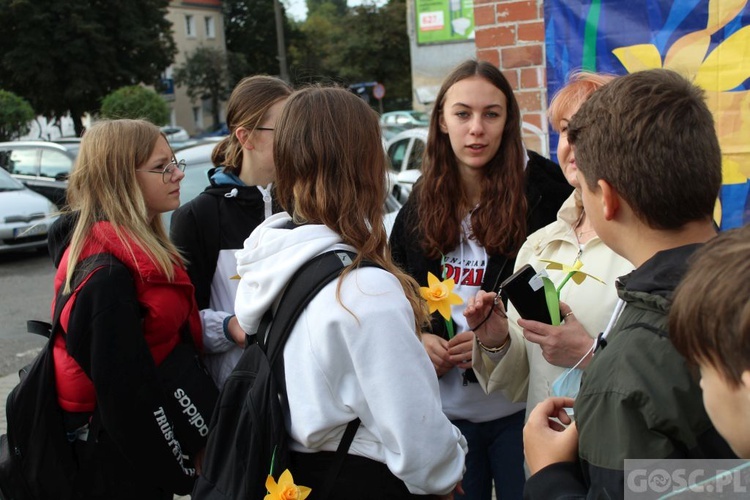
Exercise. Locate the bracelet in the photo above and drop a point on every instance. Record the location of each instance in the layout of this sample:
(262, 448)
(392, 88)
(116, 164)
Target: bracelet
(494, 349)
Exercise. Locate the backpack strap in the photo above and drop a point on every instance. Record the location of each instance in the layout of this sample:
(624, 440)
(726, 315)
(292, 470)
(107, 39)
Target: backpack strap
(304, 285)
(83, 270)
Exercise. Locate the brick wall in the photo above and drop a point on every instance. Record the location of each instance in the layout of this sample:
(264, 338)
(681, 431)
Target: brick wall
(510, 34)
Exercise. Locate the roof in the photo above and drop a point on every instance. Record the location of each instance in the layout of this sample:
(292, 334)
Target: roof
(202, 3)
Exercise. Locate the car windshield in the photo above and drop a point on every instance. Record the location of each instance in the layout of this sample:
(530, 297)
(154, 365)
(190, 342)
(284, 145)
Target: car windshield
(420, 116)
(8, 183)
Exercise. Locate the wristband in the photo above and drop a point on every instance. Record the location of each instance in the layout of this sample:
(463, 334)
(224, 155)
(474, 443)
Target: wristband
(225, 327)
(494, 349)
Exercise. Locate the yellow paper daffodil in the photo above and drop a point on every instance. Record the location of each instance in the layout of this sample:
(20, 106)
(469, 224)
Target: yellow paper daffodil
(285, 489)
(439, 295)
(573, 271)
(719, 71)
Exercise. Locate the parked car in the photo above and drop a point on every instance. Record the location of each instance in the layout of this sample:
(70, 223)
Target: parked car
(43, 166)
(405, 118)
(175, 133)
(405, 151)
(25, 216)
(198, 164)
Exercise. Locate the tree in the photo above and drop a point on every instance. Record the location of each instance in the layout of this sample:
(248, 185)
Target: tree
(206, 76)
(15, 115)
(66, 56)
(136, 102)
(251, 34)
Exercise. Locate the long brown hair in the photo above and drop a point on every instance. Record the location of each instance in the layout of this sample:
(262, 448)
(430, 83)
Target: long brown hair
(103, 186)
(331, 170)
(499, 222)
(247, 106)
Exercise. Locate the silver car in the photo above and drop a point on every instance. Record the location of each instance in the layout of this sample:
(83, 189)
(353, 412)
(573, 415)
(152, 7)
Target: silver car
(25, 216)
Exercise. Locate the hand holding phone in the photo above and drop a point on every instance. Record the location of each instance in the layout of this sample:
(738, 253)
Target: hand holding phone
(525, 290)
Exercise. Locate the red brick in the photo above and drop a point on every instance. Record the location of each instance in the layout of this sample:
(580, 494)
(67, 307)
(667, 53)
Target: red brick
(533, 118)
(484, 15)
(518, 11)
(517, 57)
(495, 37)
(492, 56)
(531, 32)
(512, 77)
(532, 78)
(529, 100)
(483, 2)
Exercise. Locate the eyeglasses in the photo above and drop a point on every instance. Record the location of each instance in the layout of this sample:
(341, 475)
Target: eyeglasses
(265, 128)
(169, 170)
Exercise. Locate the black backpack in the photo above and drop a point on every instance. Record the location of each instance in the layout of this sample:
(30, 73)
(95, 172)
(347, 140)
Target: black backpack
(36, 460)
(247, 431)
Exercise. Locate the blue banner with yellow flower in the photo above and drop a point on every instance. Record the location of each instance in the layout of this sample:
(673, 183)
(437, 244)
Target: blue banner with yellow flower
(708, 41)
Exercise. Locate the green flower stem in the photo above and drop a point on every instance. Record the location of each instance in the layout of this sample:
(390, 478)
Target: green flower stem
(570, 275)
(449, 326)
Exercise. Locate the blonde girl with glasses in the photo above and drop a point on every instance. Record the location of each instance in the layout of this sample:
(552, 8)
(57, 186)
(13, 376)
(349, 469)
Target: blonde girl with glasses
(239, 196)
(126, 318)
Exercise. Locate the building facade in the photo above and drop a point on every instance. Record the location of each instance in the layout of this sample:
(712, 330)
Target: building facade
(195, 23)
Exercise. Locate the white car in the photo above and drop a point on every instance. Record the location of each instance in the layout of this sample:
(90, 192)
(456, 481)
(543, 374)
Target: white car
(175, 134)
(25, 216)
(198, 164)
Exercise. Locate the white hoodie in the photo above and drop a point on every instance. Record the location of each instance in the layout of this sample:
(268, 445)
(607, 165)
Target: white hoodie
(366, 362)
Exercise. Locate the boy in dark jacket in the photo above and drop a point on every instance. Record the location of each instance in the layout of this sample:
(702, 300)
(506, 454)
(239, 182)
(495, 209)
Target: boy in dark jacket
(710, 325)
(649, 165)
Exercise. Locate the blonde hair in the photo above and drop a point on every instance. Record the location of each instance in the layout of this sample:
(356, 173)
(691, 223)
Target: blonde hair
(103, 187)
(247, 106)
(581, 84)
(331, 169)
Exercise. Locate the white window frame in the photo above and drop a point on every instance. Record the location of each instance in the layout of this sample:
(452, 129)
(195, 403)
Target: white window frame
(210, 27)
(190, 26)
(198, 117)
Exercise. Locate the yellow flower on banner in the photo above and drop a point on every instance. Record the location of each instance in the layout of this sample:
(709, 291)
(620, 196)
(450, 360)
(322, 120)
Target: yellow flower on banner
(718, 72)
(439, 295)
(573, 271)
(285, 489)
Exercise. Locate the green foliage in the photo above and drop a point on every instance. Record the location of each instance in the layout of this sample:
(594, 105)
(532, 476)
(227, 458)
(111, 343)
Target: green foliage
(206, 76)
(66, 56)
(136, 102)
(15, 115)
(364, 44)
(251, 36)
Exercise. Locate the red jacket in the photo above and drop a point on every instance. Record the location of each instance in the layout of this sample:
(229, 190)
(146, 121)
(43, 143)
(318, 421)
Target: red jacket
(166, 308)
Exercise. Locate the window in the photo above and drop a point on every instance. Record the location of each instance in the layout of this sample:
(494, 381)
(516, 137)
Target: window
(24, 162)
(415, 155)
(210, 31)
(396, 154)
(198, 117)
(189, 25)
(55, 165)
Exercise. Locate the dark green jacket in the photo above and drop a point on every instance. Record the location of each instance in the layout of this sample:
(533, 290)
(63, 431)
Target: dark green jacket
(639, 398)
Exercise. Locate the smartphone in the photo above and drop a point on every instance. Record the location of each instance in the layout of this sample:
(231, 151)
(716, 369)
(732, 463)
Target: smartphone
(525, 290)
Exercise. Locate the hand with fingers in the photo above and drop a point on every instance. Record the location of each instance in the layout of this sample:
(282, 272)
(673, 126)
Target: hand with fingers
(460, 349)
(487, 319)
(562, 345)
(437, 350)
(550, 436)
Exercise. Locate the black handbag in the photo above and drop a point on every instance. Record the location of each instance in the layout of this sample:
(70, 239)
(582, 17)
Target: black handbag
(192, 393)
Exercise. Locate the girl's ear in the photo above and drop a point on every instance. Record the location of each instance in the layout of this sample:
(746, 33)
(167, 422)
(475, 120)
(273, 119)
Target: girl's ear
(243, 135)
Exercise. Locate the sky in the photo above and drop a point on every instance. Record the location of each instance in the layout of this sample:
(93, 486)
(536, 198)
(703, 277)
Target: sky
(297, 9)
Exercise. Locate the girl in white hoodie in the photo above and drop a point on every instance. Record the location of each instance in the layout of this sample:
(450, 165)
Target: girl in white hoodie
(354, 351)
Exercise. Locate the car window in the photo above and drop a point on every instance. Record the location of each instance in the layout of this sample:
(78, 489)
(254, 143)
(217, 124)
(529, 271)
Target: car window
(396, 153)
(55, 165)
(24, 161)
(415, 155)
(420, 116)
(8, 183)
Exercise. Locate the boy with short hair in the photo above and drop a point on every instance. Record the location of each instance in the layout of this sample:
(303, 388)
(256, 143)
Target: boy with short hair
(649, 166)
(709, 324)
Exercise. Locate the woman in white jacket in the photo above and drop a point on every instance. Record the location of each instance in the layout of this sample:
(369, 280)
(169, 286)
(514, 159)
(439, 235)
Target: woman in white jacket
(354, 351)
